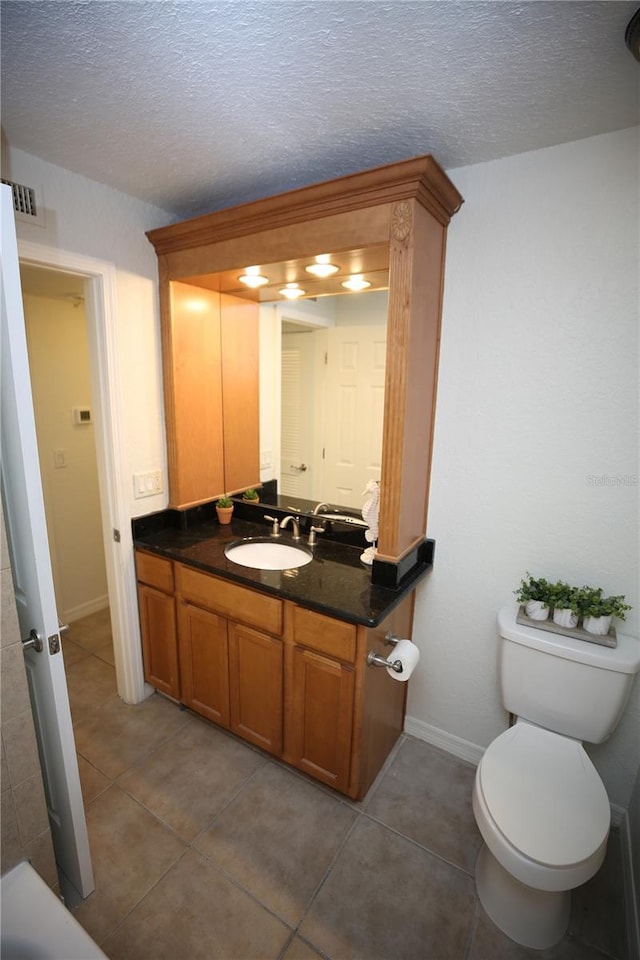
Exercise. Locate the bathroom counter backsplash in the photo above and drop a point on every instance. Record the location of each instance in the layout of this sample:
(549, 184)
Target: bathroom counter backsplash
(336, 582)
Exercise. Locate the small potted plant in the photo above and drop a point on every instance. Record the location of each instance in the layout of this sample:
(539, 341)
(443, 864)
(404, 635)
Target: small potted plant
(224, 509)
(251, 495)
(565, 602)
(597, 611)
(534, 595)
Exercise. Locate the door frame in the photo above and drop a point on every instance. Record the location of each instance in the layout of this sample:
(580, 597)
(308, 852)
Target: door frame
(101, 317)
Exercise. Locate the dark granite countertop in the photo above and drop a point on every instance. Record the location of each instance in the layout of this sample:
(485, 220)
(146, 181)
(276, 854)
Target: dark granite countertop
(335, 582)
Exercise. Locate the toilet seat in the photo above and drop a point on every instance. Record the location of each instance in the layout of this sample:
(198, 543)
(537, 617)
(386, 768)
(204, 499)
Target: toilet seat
(544, 796)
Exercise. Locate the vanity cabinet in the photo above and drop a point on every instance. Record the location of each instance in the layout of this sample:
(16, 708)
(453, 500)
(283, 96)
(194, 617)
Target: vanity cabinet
(293, 681)
(158, 623)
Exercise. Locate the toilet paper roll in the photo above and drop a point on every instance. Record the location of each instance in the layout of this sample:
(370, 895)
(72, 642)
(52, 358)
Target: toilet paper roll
(408, 655)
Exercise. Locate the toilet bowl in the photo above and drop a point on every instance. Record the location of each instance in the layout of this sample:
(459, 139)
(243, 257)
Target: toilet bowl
(544, 815)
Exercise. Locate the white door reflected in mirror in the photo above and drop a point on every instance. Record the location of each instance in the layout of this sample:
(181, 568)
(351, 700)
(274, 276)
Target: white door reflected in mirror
(298, 386)
(333, 354)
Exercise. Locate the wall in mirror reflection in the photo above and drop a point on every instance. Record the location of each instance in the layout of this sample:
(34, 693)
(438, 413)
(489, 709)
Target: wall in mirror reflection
(322, 369)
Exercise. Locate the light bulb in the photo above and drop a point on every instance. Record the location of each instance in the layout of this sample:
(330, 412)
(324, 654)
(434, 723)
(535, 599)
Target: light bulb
(356, 282)
(292, 291)
(253, 278)
(322, 268)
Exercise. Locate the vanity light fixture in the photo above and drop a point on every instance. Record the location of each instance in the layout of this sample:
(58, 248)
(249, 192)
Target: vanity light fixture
(292, 291)
(356, 282)
(253, 278)
(322, 267)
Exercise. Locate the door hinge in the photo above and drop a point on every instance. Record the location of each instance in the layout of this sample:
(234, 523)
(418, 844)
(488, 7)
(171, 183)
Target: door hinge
(116, 535)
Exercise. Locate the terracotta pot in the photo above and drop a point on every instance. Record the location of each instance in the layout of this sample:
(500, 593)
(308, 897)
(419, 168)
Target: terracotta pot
(224, 514)
(251, 500)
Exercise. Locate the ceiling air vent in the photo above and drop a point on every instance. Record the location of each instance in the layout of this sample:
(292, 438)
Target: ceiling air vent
(27, 203)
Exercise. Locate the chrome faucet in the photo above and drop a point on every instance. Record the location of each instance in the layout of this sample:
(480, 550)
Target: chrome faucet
(320, 506)
(296, 525)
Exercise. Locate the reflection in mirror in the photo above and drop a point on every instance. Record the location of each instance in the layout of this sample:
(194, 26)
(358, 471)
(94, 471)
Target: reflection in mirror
(321, 418)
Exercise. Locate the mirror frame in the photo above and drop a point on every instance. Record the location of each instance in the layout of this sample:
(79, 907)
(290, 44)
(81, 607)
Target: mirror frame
(407, 205)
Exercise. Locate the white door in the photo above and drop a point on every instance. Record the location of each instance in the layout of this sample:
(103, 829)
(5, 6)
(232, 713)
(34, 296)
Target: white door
(297, 398)
(354, 412)
(28, 545)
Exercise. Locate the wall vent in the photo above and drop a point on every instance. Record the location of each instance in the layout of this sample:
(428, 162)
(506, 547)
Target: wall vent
(27, 203)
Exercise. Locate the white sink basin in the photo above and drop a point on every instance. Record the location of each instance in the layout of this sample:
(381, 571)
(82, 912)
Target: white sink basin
(267, 554)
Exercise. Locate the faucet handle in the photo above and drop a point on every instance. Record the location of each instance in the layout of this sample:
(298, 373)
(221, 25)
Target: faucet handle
(275, 529)
(312, 534)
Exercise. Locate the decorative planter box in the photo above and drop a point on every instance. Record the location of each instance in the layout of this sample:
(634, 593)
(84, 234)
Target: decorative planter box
(608, 640)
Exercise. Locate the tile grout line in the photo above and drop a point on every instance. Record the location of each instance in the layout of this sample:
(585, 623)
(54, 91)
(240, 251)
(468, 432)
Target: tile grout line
(139, 903)
(325, 877)
(419, 846)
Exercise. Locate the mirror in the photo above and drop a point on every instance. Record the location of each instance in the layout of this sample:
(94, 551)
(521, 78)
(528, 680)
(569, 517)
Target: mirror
(325, 441)
(322, 371)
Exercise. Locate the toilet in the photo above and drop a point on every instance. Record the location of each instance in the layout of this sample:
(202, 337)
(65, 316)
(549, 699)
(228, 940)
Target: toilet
(539, 803)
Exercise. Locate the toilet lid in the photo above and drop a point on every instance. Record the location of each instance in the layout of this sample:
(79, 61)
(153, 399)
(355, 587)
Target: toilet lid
(545, 795)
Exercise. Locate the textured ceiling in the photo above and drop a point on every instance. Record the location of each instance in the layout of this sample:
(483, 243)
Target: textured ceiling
(195, 106)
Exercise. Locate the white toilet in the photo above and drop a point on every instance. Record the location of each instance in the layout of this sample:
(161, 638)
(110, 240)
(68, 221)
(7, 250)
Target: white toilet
(539, 803)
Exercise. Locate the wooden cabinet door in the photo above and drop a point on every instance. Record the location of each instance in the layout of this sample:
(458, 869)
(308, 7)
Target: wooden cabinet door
(322, 717)
(240, 391)
(192, 368)
(256, 672)
(159, 643)
(204, 662)
(211, 383)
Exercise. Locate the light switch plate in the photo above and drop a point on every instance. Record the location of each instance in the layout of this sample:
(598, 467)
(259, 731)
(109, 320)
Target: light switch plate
(147, 484)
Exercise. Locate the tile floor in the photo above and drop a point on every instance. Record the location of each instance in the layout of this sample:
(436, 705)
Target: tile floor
(204, 847)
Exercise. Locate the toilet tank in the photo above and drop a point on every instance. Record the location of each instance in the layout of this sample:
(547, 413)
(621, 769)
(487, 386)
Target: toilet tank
(567, 685)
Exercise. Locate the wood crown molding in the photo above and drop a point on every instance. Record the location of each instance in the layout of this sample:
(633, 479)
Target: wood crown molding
(421, 178)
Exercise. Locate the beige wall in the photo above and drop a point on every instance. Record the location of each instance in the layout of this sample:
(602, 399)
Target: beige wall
(59, 364)
(24, 823)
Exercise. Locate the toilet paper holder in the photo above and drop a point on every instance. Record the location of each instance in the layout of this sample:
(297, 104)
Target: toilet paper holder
(377, 660)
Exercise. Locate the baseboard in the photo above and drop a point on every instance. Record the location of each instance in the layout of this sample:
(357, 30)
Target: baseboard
(620, 819)
(463, 749)
(85, 609)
